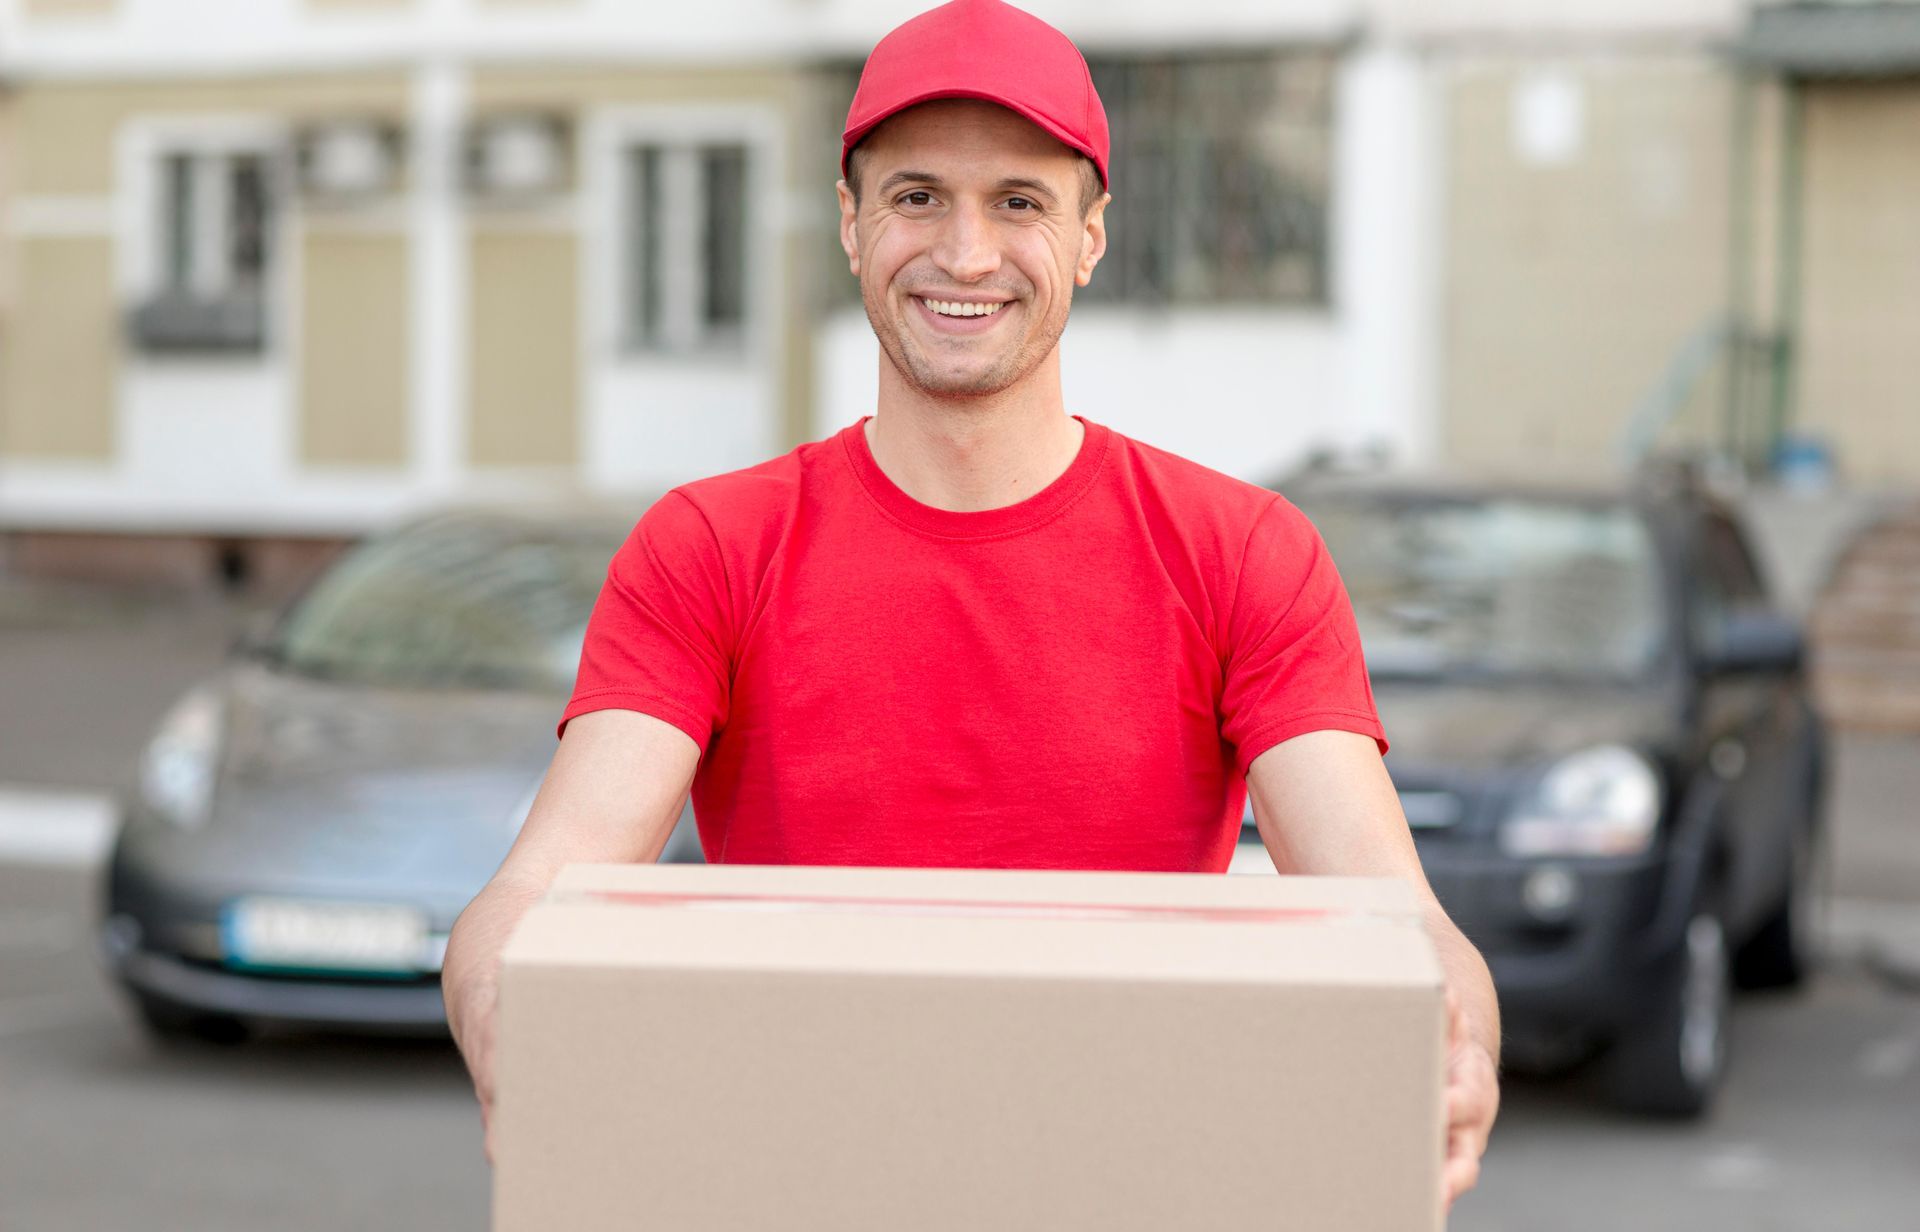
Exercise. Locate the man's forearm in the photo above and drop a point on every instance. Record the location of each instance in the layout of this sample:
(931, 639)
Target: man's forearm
(1468, 977)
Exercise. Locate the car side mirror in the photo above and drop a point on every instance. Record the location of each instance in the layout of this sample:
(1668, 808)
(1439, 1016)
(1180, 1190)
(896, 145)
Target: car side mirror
(1754, 643)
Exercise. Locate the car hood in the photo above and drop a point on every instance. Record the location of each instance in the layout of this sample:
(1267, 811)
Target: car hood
(1474, 729)
(293, 730)
(336, 788)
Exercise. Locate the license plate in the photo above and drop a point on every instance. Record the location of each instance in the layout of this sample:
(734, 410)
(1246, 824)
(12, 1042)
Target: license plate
(315, 935)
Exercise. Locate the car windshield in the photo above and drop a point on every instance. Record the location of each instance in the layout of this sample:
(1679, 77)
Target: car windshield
(1497, 588)
(452, 603)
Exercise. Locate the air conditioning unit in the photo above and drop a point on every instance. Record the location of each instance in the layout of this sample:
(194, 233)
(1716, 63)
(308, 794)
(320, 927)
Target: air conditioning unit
(519, 156)
(348, 160)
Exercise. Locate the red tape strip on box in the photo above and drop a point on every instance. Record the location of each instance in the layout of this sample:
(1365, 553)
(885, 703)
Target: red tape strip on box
(770, 903)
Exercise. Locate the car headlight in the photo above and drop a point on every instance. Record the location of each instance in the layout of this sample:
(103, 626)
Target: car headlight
(1603, 801)
(177, 773)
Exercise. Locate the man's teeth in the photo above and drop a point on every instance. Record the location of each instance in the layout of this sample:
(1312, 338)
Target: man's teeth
(947, 309)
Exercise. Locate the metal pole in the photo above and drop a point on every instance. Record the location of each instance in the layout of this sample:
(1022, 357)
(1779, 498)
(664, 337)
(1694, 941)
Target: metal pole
(1792, 222)
(1740, 323)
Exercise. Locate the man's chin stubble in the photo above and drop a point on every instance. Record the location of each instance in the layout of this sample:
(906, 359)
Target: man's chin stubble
(913, 368)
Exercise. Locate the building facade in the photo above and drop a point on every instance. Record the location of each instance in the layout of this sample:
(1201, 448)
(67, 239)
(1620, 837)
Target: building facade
(286, 269)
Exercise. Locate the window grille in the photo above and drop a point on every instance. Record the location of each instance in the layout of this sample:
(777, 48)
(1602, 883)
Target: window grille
(1221, 168)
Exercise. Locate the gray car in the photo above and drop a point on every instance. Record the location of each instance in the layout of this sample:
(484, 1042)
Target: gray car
(311, 819)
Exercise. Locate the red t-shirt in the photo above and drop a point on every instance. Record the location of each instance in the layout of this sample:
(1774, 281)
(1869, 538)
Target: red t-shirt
(1079, 680)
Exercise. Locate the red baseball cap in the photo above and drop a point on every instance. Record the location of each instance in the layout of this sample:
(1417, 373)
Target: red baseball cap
(987, 50)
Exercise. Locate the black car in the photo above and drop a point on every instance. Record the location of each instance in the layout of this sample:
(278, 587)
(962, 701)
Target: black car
(1604, 744)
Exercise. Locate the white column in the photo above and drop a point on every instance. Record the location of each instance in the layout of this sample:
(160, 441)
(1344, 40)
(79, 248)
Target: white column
(438, 257)
(1387, 235)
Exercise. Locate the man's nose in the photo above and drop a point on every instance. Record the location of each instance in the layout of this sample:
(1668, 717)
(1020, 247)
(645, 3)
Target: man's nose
(966, 249)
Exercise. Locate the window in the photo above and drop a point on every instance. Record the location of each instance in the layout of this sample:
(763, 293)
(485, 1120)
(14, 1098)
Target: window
(686, 224)
(213, 222)
(1222, 166)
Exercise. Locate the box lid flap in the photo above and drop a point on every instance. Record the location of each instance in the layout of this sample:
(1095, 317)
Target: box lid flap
(981, 924)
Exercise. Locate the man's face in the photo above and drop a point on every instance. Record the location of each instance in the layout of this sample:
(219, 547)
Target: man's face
(968, 240)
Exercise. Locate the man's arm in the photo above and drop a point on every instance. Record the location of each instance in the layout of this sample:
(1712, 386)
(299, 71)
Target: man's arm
(1326, 807)
(611, 795)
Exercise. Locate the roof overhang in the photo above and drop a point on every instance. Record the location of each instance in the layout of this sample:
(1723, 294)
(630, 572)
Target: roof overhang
(1846, 39)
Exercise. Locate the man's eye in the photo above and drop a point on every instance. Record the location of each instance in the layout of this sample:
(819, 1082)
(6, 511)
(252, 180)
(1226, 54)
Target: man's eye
(917, 197)
(1021, 203)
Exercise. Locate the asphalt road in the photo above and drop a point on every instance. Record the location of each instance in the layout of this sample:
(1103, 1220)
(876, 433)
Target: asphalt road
(102, 1130)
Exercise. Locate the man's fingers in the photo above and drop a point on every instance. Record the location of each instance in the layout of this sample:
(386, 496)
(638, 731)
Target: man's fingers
(1462, 1169)
(1466, 1140)
(1472, 1099)
(1460, 1176)
(1470, 1102)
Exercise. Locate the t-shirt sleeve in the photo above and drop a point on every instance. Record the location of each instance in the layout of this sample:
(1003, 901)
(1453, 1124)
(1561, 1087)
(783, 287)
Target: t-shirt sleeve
(1293, 662)
(660, 637)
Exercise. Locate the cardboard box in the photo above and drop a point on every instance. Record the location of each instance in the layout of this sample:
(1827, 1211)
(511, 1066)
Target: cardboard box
(684, 1048)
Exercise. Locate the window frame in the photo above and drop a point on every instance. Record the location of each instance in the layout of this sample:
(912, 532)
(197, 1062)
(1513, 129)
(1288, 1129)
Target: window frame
(615, 138)
(147, 148)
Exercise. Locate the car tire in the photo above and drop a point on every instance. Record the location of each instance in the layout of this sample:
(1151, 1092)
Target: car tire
(1672, 1063)
(169, 1023)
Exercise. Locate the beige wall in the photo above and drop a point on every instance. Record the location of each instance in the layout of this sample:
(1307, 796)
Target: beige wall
(792, 92)
(63, 340)
(1859, 378)
(353, 350)
(6, 261)
(63, 354)
(524, 370)
(352, 384)
(1570, 288)
(67, 130)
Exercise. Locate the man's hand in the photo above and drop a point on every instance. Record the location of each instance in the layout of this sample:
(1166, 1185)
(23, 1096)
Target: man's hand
(1473, 1100)
(1326, 806)
(473, 1034)
(471, 983)
(611, 796)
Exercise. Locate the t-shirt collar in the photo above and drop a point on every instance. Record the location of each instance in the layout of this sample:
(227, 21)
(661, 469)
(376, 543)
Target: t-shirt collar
(1043, 506)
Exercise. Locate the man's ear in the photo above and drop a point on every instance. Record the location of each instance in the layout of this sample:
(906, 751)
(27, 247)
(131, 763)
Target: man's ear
(1093, 240)
(849, 232)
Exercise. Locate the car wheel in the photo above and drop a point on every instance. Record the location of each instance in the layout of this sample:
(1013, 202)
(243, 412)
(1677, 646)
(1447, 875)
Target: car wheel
(1673, 1063)
(167, 1022)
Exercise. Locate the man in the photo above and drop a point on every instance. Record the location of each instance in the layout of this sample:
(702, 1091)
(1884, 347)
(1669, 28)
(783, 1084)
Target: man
(973, 630)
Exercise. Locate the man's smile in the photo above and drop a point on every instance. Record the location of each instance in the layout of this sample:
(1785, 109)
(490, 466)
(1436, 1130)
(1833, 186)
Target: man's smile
(949, 316)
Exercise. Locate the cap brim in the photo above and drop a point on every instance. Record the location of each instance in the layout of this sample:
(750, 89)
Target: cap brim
(855, 135)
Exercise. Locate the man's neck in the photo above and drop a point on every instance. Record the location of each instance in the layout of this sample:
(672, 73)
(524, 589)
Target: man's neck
(971, 454)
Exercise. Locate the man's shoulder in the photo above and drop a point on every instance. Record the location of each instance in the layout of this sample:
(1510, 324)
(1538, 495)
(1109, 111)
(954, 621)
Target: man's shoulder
(1197, 497)
(749, 499)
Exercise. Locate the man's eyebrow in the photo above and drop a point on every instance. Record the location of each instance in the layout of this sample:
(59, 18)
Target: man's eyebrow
(928, 178)
(1033, 186)
(909, 177)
